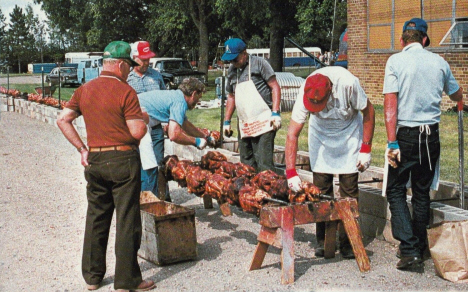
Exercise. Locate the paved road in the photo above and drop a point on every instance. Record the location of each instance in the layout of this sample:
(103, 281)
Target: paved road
(30, 79)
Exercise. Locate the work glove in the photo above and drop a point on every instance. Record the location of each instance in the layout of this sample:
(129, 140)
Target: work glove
(227, 129)
(392, 153)
(294, 181)
(200, 143)
(211, 141)
(275, 121)
(364, 157)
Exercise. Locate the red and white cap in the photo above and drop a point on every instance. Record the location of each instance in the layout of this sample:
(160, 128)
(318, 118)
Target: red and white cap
(141, 50)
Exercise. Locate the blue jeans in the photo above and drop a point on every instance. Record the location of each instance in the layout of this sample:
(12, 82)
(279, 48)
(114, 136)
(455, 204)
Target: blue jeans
(149, 177)
(414, 166)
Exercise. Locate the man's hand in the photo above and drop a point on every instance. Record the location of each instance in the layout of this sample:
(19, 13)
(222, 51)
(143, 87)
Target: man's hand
(211, 141)
(200, 143)
(294, 181)
(364, 157)
(227, 129)
(392, 153)
(275, 121)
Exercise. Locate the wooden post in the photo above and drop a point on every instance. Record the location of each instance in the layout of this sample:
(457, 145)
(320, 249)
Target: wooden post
(353, 231)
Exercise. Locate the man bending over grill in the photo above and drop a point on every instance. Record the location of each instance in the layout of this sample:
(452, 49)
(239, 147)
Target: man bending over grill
(340, 138)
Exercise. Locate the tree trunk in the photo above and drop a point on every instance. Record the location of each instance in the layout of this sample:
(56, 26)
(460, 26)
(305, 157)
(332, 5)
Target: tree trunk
(204, 48)
(276, 36)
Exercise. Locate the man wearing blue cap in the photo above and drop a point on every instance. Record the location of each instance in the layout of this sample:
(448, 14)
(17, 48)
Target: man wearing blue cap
(255, 93)
(414, 81)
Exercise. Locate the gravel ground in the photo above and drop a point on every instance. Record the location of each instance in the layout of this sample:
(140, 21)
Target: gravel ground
(43, 205)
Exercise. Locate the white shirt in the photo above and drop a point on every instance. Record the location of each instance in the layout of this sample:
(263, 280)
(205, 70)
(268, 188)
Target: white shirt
(335, 133)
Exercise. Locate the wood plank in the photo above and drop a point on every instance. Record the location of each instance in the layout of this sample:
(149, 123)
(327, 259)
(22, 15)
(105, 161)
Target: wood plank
(259, 256)
(330, 239)
(207, 202)
(271, 236)
(353, 231)
(287, 253)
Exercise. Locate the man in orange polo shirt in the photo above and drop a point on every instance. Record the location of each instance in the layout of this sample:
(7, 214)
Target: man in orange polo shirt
(114, 127)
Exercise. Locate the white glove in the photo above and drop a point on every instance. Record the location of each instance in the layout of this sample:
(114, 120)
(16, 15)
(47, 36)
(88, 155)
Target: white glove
(295, 184)
(200, 143)
(364, 160)
(392, 154)
(211, 141)
(227, 129)
(275, 120)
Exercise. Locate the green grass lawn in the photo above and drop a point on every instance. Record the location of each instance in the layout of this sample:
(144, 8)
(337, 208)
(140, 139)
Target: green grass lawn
(210, 118)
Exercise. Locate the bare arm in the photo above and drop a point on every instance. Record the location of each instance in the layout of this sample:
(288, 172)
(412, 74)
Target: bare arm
(191, 130)
(458, 95)
(275, 93)
(292, 139)
(137, 128)
(391, 114)
(230, 106)
(177, 134)
(64, 122)
(368, 123)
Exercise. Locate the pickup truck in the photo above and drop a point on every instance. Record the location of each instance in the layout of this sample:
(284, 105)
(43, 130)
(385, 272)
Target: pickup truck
(174, 70)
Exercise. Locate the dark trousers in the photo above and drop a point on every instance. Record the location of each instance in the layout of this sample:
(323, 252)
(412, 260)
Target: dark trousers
(149, 177)
(113, 183)
(411, 231)
(258, 151)
(348, 184)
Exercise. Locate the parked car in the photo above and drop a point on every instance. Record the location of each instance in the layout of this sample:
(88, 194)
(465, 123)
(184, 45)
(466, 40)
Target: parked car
(174, 70)
(68, 76)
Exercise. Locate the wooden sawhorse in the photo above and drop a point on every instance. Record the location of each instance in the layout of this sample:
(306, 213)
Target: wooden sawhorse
(278, 230)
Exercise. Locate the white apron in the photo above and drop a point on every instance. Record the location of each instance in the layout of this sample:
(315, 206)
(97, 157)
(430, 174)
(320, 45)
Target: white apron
(334, 143)
(147, 157)
(252, 111)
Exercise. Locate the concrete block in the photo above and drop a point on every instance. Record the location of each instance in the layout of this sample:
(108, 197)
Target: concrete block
(372, 226)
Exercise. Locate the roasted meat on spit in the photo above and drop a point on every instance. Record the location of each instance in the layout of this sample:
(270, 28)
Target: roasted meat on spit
(264, 179)
(309, 192)
(179, 172)
(231, 189)
(251, 198)
(196, 178)
(215, 187)
(168, 163)
(226, 169)
(211, 160)
(244, 170)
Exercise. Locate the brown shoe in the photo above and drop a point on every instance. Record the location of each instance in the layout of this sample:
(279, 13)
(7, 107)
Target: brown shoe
(92, 287)
(145, 286)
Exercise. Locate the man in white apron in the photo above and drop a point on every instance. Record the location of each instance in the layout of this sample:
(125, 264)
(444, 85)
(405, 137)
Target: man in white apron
(340, 137)
(415, 79)
(256, 94)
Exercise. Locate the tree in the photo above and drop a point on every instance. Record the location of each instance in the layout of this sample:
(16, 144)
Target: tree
(3, 42)
(19, 39)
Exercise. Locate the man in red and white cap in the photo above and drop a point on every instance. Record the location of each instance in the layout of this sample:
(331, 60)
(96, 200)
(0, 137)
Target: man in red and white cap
(143, 79)
(340, 137)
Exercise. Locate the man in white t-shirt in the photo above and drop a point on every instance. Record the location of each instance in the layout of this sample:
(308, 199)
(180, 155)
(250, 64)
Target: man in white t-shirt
(340, 137)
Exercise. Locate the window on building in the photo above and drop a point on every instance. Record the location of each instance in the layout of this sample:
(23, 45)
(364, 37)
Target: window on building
(447, 22)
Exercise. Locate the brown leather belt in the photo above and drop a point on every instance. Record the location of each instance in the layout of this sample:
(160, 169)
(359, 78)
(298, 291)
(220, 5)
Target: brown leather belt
(113, 148)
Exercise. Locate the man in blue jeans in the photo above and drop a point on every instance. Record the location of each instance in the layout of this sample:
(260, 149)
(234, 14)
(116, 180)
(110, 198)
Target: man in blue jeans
(414, 81)
(143, 79)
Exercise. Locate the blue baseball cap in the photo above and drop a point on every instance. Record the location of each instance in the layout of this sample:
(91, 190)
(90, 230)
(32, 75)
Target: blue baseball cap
(419, 24)
(233, 48)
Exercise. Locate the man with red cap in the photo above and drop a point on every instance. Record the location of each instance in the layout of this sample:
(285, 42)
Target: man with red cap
(340, 137)
(143, 79)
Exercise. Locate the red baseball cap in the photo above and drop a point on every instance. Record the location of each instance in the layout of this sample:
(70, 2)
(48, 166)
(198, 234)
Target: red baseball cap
(142, 50)
(317, 89)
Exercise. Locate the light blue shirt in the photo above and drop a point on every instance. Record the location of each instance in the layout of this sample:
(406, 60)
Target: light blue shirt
(150, 80)
(419, 77)
(164, 105)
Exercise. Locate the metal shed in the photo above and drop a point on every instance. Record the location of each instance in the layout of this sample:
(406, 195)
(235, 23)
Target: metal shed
(289, 84)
